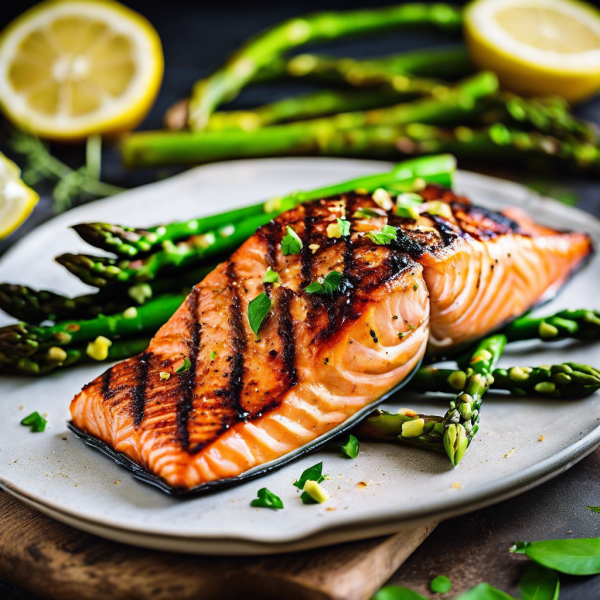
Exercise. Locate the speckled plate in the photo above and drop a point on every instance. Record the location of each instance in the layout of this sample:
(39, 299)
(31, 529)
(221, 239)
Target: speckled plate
(386, 488)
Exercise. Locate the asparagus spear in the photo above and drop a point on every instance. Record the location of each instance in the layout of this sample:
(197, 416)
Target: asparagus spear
(23, 341)
(461, 421)
(259, 51)
(577, 324)
(130, 242)
(567, 380)
(407, 426)
(33, 306)
(61, 358)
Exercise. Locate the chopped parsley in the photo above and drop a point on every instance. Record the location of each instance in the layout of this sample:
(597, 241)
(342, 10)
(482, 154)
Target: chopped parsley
(344, 227)
(267, 499)
(351, 448)
(331, 283)
(257, 311)
(271, 276)
(407, 206)
(440, 585)
(35, 421)
(367, 212)
(383, 237)
(291, 243)
(185, 366)
(213, 355)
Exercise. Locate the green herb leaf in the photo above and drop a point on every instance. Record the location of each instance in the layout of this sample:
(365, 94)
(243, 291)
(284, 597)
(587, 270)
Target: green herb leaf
(267, 499)
(36, 421)
(409, 200)
(366, 212)
(484, 591)
(331, 284)
(291, 243)
(257, 311)
(344, 227)
(539, 583)
(440, 585)
(185, 366)
(271, 276)
(396, 592)
(314, 473)
(213, 355)
(573, 557)
(594, 508)
(384, 237)
(351, 448)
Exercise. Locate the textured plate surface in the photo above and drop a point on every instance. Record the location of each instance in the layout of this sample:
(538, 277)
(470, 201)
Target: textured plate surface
(61, 476)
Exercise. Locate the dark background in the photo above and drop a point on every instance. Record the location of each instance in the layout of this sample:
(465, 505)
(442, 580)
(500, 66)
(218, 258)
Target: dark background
(196, 37)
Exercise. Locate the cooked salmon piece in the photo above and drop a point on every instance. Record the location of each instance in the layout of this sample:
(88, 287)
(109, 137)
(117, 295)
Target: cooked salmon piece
(208, 401)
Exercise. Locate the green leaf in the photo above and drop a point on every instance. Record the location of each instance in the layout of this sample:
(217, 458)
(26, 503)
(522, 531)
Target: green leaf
(267, 499)
(36, 421)
(344, 227)
(386, 236)
(366, 212)
(594, 508)
(440, 585)
(396, 592)
(330, 284)
(314, 473)
(539, 583)
(185, 366)
(409, 200)
(213, 355)
(573, 557)
(257, 311)
(484, 591)
(271, 276)
(291, 243)
(351, 448)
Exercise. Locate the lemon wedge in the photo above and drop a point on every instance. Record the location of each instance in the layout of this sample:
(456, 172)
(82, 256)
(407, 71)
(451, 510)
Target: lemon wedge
(72, 68)
(16, 199)
(537, 47)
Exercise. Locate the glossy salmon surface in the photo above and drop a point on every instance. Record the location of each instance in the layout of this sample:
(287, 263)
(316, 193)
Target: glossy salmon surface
(209, 401)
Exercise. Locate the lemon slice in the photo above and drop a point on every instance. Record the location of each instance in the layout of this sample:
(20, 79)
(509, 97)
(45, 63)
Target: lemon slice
(16, 199)
(72, 68)
(537, 47)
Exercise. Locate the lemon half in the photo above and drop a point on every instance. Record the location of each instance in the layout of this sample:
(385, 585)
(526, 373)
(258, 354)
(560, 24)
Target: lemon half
(72, 68)
(16, 199)
(537, 47)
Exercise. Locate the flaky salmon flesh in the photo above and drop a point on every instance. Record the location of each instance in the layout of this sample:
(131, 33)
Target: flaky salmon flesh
(321, 358)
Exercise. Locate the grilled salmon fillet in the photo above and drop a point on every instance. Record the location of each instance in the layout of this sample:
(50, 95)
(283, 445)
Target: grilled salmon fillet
(321, 359)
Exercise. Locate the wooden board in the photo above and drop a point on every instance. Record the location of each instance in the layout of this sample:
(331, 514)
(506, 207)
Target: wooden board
(56, 562)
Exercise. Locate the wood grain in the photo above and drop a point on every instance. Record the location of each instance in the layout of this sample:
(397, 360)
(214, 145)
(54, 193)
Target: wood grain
(54, 561)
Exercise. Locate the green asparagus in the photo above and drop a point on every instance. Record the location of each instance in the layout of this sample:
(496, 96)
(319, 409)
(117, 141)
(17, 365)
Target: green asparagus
(43, 363)
(461, 421)
(23, 341)
(567, 380)
(34, 307)
(261, 50)
(130, 242)
(576, 324)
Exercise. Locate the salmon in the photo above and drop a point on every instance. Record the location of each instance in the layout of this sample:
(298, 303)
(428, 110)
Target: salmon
(210, 402)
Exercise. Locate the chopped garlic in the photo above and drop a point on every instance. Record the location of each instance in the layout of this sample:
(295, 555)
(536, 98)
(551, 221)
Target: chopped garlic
(98, 349)
(316, 492)
(334, 231)
(382, 198)
(164, 376)
(314, 247)
(130, 313)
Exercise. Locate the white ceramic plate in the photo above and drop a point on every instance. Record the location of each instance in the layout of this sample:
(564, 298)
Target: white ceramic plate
(60, 476)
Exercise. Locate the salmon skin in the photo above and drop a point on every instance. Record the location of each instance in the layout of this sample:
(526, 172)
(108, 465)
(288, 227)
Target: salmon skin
(209, 404)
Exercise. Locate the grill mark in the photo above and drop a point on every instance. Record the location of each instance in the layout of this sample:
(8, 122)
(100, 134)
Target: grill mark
(105, 385)
(187, 379)
(446, 232)
(268, 234)
(285, 330)
(138, 393)
(306, 255)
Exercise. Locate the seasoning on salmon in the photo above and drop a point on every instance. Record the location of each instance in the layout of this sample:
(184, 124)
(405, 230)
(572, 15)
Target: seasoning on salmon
(235, 401)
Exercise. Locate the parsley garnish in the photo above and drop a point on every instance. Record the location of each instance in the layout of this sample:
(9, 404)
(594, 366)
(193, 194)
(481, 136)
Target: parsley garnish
(344, 227)
(384, 237)
(314, 473)
(366, 212)
(185, 366)
(257, 311)
(267, 499)
(291, 243)
(407, 206)
(36, 421)
(440, 585)
(271, 276)
(213, 355)
(351, 448)
(330, 284)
